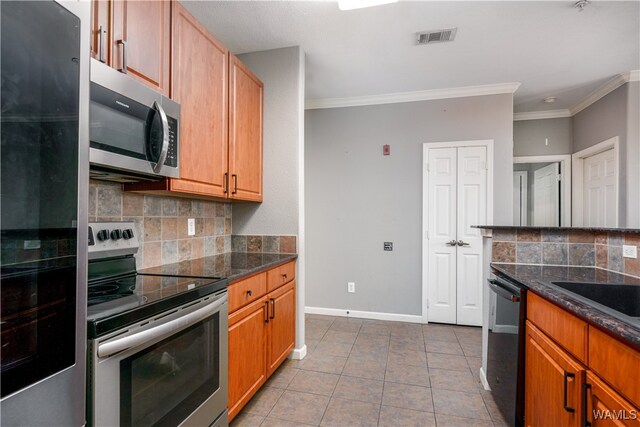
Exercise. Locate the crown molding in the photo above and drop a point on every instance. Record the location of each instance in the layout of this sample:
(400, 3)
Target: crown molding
(539, 115)
(424, 95)
(602, 91)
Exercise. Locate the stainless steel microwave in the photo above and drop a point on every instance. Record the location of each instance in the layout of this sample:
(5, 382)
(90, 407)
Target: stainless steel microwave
(134, 130)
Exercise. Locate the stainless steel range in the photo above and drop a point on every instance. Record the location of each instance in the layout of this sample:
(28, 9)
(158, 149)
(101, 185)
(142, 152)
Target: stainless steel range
(158, 345)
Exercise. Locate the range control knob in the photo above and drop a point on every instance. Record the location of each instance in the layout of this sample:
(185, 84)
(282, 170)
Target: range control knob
(103, 235)
(116, 234)
(127, 234)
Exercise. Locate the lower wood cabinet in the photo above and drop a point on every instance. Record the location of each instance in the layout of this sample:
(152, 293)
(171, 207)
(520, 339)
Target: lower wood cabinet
(261, 333)
(553, 381)
(247, 358)
(576, 374)
(281, 334)
(605, 407)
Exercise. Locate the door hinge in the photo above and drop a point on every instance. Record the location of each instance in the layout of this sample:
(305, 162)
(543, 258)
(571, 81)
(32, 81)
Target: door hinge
(426, 165)
(484, 166)
(427, 303)
(559, 178)
(426, 234)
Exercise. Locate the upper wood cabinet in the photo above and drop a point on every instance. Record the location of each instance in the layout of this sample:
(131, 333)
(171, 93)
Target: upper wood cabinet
(134, 38)
(221, 118)
(199, 84)
(245, 132)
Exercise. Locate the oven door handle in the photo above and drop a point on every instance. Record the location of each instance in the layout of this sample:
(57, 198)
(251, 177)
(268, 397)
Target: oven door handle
(112, 347)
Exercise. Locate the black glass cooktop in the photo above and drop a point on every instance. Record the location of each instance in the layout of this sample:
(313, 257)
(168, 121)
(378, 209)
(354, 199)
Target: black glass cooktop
(118, 302)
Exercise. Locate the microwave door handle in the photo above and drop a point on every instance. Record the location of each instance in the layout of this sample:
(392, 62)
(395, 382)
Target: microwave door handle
(165, 137)
(112, 347)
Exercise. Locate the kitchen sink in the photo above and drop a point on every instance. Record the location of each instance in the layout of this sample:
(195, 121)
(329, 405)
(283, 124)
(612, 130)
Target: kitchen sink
(618, 300)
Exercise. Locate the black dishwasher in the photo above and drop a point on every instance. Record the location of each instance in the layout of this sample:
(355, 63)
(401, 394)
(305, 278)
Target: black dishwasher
(505, 353)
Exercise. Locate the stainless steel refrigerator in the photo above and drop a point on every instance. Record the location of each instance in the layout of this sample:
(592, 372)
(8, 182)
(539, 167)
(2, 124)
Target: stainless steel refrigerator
(43, 211)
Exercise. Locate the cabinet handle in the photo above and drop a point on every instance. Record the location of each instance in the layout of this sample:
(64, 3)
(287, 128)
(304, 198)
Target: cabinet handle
(284, 277)
(226, 182)
(101, 45)
(273, 308)
(266, 312)
(249, 293)
(585, 414)
(124, 56)
(235, 183)
(567, 375)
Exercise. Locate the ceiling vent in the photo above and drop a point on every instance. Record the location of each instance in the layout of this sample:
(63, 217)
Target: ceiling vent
(438, 36)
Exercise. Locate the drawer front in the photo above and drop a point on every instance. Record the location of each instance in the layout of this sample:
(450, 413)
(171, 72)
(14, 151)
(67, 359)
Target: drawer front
(616, 363)
(246, 291)
(564, 328)
(280, 275)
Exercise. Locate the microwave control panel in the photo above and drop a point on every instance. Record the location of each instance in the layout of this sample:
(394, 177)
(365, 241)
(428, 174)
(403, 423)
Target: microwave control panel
(172, 154)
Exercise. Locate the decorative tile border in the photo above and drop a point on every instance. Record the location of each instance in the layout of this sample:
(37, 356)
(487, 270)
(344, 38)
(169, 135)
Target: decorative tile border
(570, 247)
(264, 244)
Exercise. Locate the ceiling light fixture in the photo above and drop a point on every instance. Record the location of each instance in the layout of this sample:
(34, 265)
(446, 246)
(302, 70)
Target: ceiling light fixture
(550, 99)
(580, 4)
(359, 4)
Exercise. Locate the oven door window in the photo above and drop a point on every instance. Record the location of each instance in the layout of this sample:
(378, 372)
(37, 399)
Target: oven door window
(165, 383)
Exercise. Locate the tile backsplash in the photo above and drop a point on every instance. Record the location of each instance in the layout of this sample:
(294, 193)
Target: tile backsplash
(264, 244)
(566, 247)
(161, 223)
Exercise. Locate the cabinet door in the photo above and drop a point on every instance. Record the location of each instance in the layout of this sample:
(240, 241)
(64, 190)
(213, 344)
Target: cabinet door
(607, 408)
(141, 37)
(199, 84)
(101, 30)
(247, 356)
(282, 325)
(245, 133)
(553, 382)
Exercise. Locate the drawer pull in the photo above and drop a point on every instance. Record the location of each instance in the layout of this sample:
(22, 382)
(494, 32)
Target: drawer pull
(567, 375)
(284, 277)
(249, 293)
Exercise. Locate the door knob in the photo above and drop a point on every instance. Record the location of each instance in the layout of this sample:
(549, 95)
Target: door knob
(461, 243)
(452, 243)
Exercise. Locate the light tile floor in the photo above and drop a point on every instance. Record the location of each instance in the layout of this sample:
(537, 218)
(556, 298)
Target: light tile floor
(373, 373)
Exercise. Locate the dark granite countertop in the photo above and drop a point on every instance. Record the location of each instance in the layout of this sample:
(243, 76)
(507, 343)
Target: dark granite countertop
(534, 276)
(231, 265)
(540, 228)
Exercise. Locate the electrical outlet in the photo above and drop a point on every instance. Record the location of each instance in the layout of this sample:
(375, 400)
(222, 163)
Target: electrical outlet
(351, 287)
(629, 251)
(191, 227)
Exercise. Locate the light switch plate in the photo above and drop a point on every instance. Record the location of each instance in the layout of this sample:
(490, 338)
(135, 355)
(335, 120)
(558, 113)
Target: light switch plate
(191, 227)
(629, 251)
(351, 287)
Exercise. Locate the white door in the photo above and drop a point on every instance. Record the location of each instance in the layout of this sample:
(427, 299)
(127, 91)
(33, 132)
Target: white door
(546, 196)
(442, 234)
(600, 196)
(520, 195)
(457, 198)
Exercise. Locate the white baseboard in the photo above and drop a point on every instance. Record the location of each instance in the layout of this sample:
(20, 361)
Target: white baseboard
(364, 314)
(505, 329)
(483, 379)
(298, 353)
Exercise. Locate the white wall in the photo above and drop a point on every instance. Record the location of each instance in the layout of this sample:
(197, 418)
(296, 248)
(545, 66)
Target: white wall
(356, 198)
(279, 70)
